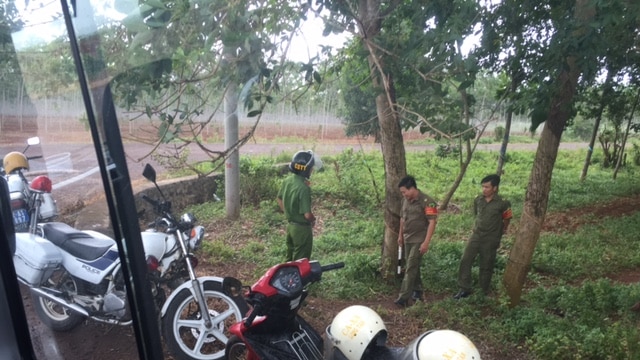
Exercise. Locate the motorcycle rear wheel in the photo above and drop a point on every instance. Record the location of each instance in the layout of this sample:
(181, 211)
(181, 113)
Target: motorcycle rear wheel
(184, 331)
(236, 349)
(56, 316)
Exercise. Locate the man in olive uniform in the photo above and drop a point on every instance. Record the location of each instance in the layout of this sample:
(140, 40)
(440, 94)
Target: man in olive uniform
(493, 215)
(417, 225)
(294, 199)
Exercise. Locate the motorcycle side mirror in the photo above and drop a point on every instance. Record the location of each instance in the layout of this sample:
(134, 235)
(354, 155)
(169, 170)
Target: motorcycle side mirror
(232, 286)
(149, 173)
(33, 141)
(30, 142)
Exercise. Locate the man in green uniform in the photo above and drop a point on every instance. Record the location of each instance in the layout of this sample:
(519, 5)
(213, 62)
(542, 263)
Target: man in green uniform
(493, 215)
(417, 224)
(294, 199)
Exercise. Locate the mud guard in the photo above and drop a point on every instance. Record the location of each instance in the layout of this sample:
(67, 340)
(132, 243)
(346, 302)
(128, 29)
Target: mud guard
(237, 298)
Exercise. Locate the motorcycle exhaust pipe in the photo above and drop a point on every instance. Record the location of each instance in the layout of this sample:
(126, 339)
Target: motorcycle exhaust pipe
(59, 301)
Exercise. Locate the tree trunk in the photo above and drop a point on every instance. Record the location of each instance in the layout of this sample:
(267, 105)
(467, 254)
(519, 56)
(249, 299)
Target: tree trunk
(391, 142)
(393, 154)
(625, 136)
(232, 162)
(537, 194)
(594, 135)
(534, 208)
(464, 165)
(507, 127)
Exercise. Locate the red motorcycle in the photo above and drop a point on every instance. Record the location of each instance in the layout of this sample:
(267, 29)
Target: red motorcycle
(273, 329)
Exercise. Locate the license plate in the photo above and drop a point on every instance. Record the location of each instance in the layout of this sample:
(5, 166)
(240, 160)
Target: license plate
(20, 219)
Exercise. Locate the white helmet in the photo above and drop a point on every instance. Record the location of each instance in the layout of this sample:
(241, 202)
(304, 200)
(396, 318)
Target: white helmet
(443, 344)
(354, 329)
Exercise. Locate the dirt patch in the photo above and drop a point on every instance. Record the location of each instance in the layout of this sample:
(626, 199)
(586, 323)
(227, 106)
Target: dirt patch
(570, 220)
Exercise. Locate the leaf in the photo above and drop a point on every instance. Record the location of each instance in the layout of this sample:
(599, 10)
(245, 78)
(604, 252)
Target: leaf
(465, 85)
(156, 4)
(245, 92)
(254, 113)
(317, 77)
(142, 38)
(135, 23)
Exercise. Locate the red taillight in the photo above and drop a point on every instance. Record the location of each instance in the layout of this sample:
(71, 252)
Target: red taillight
(18, 204)
(41, 183)
(152, 263)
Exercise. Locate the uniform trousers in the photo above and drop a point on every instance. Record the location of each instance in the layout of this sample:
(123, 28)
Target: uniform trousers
(412, 280)
(485, 250)
(299, 241)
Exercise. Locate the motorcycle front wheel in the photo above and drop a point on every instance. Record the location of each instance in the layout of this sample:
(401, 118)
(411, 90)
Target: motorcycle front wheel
(52, 314)
(236, 349)
(184, 330)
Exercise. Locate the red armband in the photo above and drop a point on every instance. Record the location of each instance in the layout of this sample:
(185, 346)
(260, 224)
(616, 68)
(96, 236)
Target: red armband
(507, 214)
(431, 210)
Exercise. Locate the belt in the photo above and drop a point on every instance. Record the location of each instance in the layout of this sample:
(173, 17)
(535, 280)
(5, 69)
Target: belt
(299, 223)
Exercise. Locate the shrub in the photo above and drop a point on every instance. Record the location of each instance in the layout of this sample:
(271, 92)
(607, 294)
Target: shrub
(498, 133)
(259, 180)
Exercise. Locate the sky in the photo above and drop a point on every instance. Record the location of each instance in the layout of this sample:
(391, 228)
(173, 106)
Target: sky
(307, 44)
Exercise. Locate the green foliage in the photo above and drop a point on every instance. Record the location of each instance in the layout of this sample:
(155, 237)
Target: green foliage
(636, 154)
(440, 264)
(359, 107)
(204, 212)
(578, 255)
(259, 180)
(447, 150)
(590, 321)
(581, 129)
(498, 133)
(428, 77)
(355, 177)
(217, 251)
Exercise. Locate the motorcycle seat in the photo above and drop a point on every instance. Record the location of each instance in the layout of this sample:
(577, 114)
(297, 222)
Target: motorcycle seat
(76, 242)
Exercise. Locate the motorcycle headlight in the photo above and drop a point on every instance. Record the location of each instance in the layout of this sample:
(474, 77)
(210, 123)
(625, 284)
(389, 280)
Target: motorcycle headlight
(196, 236)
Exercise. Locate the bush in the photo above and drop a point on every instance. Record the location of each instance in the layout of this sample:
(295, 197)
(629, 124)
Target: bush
(498, 133)
(636, 154)
(259, 180)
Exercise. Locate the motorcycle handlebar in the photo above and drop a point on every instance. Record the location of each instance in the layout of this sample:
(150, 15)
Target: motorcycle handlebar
(338, 265)
(249, 320)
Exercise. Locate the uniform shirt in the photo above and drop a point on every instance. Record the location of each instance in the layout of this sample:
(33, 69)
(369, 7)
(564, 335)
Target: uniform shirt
(490, 216)
(296, 198)
(416, 215)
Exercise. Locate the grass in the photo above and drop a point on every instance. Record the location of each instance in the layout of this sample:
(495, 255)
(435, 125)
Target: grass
(569, 310)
